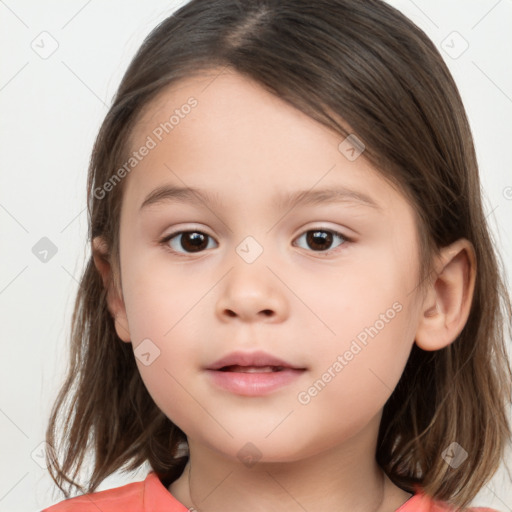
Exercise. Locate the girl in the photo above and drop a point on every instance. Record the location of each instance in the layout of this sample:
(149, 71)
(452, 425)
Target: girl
(293, 301)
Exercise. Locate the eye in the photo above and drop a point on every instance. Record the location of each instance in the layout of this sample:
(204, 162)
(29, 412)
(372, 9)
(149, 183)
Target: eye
(321, 239)
(189, 241)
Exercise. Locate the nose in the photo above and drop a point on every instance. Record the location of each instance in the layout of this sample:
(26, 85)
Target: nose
(251, 293)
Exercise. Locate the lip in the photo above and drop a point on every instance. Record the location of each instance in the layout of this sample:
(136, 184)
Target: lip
(254, 383)
(258, 358)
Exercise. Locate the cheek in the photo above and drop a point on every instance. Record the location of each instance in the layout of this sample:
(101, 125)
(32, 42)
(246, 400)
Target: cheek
(163, 306)
(166, 386)
(371, 315)
(354, 376)
(363, 292)
(159, 297)
(369, 350)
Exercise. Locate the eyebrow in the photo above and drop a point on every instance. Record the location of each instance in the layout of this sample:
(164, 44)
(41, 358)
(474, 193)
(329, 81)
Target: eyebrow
(168, 193)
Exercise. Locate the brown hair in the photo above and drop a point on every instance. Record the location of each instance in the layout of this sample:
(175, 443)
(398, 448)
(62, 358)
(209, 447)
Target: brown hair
(366, 63)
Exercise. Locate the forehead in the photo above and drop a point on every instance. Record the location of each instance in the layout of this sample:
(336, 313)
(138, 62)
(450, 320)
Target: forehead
(220, 130)
(224, 100)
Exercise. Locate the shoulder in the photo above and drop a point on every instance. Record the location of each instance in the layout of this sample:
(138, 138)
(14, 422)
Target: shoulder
(148, 495)
(127, 497)
(421, 502)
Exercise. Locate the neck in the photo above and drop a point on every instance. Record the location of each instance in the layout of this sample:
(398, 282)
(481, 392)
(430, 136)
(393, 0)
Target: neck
(345, 478)
(274, 488)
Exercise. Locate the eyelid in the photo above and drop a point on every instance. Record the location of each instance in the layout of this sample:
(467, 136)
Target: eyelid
(346, 233)
(187, 229)
(341, 231)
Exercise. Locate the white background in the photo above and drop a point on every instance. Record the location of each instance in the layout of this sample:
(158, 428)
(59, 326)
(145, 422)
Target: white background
(51, 111)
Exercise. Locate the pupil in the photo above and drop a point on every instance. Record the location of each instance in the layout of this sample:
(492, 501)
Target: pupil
(324, 237)
(192, 241)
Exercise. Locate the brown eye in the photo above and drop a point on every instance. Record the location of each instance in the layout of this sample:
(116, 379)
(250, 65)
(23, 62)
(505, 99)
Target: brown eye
(320, 240)
(187, 241)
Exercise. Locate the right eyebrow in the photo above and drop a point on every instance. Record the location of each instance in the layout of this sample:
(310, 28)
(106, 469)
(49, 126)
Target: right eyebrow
(167, 193)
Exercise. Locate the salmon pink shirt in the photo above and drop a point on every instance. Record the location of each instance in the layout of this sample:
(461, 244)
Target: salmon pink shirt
(150, 495)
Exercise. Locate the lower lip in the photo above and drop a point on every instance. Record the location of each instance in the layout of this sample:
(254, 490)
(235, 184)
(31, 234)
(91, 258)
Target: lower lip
(254, 384)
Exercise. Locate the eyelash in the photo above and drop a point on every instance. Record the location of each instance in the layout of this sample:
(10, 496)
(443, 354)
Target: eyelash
(164, 241)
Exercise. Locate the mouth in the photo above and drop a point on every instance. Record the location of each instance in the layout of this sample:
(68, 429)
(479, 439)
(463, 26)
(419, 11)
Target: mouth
(247, 362)
(252, 374)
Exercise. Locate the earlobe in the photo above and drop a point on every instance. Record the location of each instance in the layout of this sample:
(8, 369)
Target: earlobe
(447, 303)
(115, 302)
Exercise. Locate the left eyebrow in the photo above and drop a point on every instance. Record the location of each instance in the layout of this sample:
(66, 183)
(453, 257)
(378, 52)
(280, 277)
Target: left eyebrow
(325, 196)
(167, 193)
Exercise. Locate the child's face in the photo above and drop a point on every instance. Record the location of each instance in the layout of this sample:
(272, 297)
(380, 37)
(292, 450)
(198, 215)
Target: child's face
(348, 317)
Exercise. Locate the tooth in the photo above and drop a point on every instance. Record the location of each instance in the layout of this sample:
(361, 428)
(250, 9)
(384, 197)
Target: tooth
(254, 369)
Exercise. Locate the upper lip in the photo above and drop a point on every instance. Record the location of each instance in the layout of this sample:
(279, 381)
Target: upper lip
(258, 358)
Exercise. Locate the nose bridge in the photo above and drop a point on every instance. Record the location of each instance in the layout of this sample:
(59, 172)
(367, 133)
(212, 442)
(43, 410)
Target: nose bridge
(251, 290)
(250, 249)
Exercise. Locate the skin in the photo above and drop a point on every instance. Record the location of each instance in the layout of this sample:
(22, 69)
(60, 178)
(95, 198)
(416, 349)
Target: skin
(294, 301)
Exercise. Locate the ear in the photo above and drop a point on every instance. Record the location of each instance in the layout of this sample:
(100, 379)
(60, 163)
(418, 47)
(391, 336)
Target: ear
(115, 302)
(447, 303)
